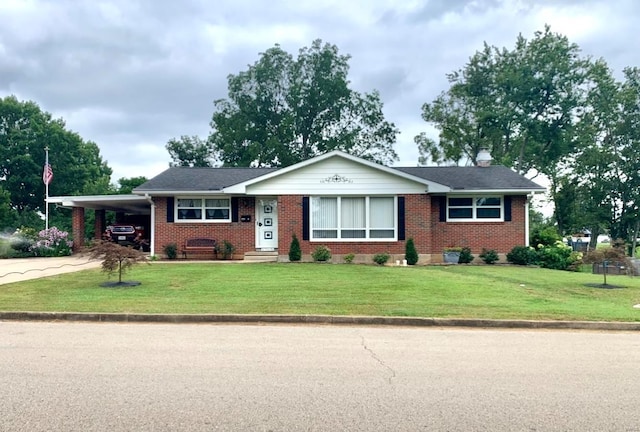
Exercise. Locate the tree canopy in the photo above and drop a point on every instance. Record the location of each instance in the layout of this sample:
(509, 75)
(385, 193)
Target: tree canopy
(25, 131)
(190, 151)
(543, 108)
(520, 104)
(282, 110)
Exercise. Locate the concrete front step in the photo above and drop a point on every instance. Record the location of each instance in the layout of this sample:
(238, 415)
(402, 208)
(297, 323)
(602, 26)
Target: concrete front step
(261, 256)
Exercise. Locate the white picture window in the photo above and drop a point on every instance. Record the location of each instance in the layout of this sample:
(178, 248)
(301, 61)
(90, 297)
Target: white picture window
(353, 218)
(203, 209)
(474, 208)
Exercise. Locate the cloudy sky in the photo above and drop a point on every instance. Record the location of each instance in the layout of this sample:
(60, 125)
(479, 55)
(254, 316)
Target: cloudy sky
(131, 74)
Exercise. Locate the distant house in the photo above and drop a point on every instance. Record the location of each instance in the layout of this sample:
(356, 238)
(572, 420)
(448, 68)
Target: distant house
(338, 200)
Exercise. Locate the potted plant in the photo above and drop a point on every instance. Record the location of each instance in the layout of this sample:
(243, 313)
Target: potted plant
(451, 254)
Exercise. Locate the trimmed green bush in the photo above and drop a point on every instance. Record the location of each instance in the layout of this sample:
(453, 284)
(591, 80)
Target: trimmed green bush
(227, 250)
(559, 256)
(171, 250)
(410, 252)
(321, 254)
(489, 256)
(522, 255)
(348, 258)
(381, 258)
(295, 253)
(465, 256)
(545, 237)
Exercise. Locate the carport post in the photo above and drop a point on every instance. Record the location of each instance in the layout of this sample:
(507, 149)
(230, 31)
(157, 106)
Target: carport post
(77, 224)
(99, 224)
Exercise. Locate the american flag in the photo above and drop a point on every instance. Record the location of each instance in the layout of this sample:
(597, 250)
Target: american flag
(47, 174)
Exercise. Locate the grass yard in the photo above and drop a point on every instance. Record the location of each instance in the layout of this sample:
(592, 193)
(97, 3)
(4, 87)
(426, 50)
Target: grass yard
(499, 292)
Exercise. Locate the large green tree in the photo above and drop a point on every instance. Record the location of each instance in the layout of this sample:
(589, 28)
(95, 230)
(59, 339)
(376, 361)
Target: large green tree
(190, 151)
(127, 185)
(25, 131)
(283, 110)
(520, 104)
(600, 189)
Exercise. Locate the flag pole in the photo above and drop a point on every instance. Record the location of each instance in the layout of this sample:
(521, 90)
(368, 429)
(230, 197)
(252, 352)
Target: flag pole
(46, 191)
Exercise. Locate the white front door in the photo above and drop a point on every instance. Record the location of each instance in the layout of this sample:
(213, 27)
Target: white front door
(266, 223)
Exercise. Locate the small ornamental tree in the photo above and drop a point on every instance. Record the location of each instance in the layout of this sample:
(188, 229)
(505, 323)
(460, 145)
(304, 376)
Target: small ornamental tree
(410, 254)
(116, 258)
(295, 253)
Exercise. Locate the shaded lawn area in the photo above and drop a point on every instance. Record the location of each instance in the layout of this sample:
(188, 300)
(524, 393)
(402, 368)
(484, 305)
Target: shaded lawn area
(499, 292)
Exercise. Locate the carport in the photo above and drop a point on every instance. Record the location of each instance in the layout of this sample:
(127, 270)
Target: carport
(125, 207)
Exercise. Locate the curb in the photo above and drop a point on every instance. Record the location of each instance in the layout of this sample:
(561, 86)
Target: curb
(320, 319)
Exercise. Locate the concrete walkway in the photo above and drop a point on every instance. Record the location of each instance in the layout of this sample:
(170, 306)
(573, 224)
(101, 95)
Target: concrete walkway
(21, 269)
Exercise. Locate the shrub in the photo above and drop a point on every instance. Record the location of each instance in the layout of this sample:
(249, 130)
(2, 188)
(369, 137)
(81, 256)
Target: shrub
(465, 256)
(226, 250)
(321, 254)
(559, 256)
(27, 232)
(381, 258)
(52, 242)
(545, 237)
(612, 254)
(348, 258)
(410, 253)
(171, 250)
(522, 255)
(295, 253)
(21, 244)
(489, 256)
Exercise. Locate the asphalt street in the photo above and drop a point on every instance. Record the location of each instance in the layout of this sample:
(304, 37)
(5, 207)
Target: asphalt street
(61, 376)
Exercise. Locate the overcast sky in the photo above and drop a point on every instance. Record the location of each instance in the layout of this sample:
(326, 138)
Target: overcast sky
(129, 75)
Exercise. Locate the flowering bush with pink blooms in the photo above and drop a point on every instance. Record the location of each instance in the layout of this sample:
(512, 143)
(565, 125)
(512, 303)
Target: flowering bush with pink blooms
(52, 242)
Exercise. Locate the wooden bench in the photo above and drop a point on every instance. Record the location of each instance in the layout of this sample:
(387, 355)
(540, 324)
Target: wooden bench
(199, 245)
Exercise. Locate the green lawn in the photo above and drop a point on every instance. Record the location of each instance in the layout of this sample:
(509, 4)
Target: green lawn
(500, 292)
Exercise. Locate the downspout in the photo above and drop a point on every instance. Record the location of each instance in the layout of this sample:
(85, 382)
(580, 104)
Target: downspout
(152, 244)
(526, 219)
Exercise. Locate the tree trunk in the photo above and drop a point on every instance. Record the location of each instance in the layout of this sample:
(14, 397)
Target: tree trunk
(634, 242)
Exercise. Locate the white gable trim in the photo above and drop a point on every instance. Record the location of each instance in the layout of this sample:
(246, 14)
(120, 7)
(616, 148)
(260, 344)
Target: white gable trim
(241, 188)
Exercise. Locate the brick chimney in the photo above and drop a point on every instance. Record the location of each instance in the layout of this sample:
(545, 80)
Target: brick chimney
(483, 159)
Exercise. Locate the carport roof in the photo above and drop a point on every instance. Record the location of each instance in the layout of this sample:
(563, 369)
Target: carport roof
(131, 204)
(192, 179)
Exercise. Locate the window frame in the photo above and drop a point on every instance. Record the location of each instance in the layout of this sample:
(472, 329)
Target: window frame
(203, 209)
(474, 208)
(367, 227)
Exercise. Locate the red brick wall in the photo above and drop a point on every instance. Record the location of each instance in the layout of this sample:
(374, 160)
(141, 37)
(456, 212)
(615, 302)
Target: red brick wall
(77, 227)
(240, 234)
(421, 223)
(501, 236)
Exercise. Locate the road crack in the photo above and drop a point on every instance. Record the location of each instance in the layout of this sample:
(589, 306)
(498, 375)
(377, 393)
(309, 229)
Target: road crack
(392, 373)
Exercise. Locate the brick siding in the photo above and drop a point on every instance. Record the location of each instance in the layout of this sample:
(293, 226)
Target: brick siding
(421, 223)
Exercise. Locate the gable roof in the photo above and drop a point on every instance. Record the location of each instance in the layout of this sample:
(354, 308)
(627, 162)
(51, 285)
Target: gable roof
(198, 180)
(476, 179)
(431, 186)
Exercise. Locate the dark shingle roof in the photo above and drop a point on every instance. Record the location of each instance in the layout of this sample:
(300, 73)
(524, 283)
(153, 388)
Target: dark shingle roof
(473, 178)
(188, 179)
(200, 179)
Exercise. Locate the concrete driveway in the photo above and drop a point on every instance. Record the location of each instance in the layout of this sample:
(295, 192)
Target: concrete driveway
(20, 269)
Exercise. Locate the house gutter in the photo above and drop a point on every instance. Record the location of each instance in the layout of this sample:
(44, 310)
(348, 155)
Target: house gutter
(526, 219)
(152, 244)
